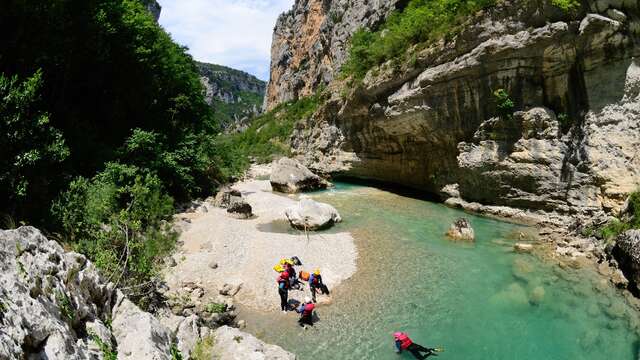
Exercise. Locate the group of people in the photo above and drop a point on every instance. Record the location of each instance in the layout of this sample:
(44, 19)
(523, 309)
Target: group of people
(288, 279)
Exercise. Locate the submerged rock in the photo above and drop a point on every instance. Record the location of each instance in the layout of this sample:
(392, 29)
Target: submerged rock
(523, 248)
(312, 215)
(289, 176)
(461, 230)
(233, 344)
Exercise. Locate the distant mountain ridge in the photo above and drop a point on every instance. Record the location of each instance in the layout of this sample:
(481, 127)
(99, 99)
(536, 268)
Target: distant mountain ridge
(234, 95)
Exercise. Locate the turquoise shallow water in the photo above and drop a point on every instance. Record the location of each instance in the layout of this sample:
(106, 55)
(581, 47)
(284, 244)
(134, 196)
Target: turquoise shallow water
(478, 301)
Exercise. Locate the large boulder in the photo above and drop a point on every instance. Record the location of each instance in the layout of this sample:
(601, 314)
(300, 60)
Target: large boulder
(152, 340)
(233, 344)
(312, 215)
(627, 253)
(461, 230)
(289, 176)
(240, 209)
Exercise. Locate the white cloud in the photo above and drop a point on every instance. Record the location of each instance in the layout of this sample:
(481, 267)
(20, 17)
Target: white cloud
(234, 33)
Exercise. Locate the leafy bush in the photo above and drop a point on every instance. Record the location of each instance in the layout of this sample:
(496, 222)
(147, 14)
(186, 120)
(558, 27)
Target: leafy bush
(117, 220)
(215, 308)
(630, 220)
(420, 22)
(566, 5)
(504, 104)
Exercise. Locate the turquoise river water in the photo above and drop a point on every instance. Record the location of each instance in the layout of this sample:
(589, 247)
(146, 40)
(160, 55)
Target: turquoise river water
(477, 300)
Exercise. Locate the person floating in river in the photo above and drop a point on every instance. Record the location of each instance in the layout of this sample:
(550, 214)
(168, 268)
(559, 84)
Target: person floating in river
(306, 313)
(283, 290)
(403, 342)
(316, 284)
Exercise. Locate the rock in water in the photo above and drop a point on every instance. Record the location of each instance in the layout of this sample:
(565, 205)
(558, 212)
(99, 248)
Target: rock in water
(312, 215)
(240, 209)
(627, 253)
(289, 176)
(523, 248)
(233, 344)
(461, 230)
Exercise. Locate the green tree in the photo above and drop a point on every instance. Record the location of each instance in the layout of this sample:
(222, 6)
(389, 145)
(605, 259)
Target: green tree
(30, 145)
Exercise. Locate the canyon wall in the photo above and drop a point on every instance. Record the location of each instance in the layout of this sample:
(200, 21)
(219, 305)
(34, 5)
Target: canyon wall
(311, 42)
(235, 96)
(572, 144)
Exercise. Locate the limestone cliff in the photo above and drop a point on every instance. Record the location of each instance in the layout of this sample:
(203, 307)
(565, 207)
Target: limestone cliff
(55, 305)
(571, 146)
(310, 43)
(235, 96)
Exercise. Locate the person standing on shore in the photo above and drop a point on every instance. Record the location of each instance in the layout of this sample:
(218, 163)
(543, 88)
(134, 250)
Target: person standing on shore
(283, 290)
(316, 284)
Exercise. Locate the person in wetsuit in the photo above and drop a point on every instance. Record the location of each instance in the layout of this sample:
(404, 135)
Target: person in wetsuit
(283, 290)
(403, 342)
(306, 312)
(316, 284)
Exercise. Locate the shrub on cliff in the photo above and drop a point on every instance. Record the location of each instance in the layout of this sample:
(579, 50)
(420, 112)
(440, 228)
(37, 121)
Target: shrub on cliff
(421, 21)
(630, 219)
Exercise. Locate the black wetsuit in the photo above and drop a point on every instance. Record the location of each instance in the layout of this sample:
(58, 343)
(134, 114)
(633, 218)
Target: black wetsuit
(418, 350)
(315, 283)
(283, 291)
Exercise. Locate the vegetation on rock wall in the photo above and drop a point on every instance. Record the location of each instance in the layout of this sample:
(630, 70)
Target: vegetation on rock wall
(266, 138)
(629, 220)
(421, 21)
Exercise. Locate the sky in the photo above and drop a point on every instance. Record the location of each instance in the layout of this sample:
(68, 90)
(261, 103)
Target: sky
(234, 33)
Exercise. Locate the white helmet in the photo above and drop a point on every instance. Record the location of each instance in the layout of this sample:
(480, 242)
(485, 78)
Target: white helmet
(307, 300)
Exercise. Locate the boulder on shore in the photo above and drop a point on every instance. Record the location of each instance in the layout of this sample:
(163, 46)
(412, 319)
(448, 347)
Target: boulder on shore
(233, 344)
(312, 215)
(627, 253)
(289, 176)
(226, 196)
(240, 209)
(461, 230)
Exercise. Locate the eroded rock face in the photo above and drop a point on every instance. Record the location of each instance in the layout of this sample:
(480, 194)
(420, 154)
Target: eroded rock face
(310, 43)
(627, 253)
(570, 148)
(47, 298)
(289, 176)
(54, 305)
(312, 215)
(233, 344)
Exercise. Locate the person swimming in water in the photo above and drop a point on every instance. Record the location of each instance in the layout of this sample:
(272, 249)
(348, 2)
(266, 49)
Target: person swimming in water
(403, 342)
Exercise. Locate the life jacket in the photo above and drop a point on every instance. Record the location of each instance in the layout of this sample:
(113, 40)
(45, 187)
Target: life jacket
(283, 278)
(315, 279)
(405, 342)
(308, 309)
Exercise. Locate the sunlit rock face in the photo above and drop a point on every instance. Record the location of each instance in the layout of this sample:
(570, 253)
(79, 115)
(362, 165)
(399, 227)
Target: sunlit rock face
(571, 144)
(311, 42)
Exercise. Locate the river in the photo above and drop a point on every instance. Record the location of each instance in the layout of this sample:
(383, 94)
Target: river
(477, 300)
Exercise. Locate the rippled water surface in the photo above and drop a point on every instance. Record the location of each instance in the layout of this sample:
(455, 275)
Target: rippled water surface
(478, 301)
